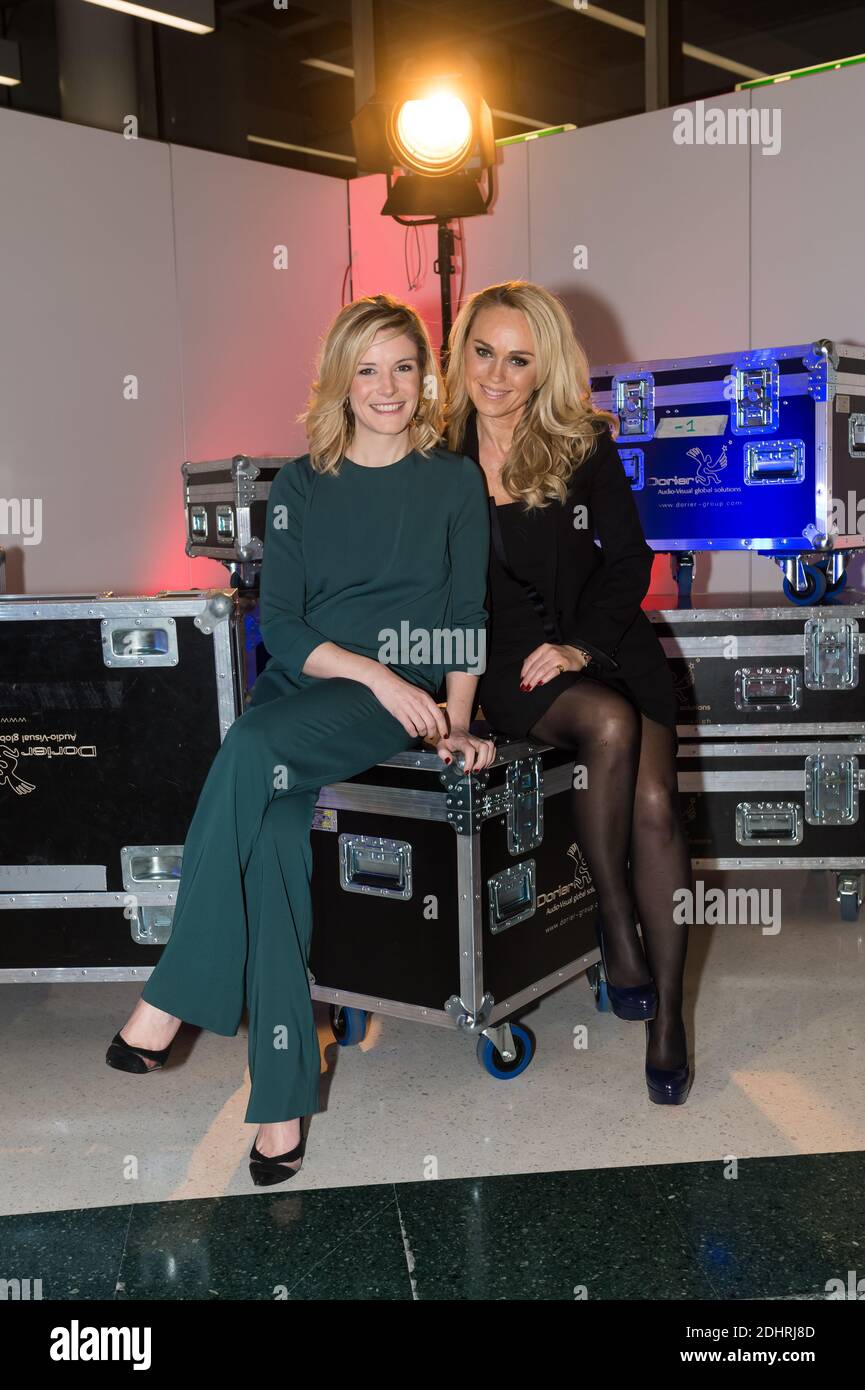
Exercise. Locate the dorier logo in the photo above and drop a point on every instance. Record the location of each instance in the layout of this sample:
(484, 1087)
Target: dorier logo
(708, 470)
(581, 882)
(8, 776)
(683, 682)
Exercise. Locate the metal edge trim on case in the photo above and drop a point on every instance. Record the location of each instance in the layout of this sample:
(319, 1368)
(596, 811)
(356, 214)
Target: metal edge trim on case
(762, 731)
(25, 608)
(544, 986)
(506, 753)
(771, 862)
(711, 644)
(781, 780)
(769, 750)
(144, 897)
(199, 493)
(391, 1008)
(745, 615)
(470, 920)
(393, 801)
(741, 356)
(227, 696)
(213, 465)
(795, 544)
(823, 440)
(71, 974)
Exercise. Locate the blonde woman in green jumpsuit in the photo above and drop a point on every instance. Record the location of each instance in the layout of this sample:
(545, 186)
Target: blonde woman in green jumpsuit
(376, 532)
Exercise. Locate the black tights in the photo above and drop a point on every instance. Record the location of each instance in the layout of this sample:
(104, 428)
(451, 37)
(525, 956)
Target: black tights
(627, 806)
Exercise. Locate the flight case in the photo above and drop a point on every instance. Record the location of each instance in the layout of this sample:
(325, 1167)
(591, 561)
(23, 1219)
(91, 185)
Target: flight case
(226, 507)
(111, 712)
(760, 668)
(771, 806)
(450, 899)
(760, 450)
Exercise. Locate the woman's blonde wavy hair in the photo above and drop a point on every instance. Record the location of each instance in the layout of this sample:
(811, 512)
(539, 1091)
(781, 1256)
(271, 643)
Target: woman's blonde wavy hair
(558, 427)
(328, 418)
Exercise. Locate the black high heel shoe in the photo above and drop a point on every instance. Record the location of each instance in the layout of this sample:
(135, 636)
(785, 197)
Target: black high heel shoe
(634, 1002)
(124, 1057)
(266, 1171)
(667, 1086)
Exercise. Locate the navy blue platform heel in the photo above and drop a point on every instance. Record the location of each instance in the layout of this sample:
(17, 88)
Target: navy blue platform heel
(633, 1002)
(667, 1087)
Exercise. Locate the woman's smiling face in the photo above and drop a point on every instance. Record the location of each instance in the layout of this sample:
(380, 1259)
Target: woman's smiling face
(500, 362)
(386, 386)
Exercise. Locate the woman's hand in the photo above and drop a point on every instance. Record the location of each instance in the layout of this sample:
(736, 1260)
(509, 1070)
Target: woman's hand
(414, 708)
(476, 752)
(548, 661)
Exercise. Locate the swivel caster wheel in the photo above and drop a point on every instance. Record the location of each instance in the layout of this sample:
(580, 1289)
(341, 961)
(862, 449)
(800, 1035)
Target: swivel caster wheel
(349, 1025)
(814, 591)
(598, 985)
(492, 1061)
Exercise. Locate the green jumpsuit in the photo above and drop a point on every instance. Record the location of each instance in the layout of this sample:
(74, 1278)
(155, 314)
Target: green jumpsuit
(351, 558)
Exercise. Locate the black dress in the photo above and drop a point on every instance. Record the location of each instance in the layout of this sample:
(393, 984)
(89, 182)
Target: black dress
(592, 592)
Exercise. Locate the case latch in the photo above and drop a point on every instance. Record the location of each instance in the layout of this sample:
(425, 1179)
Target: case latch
(525, 804)
(831, 653)
(754, 404)
(831, 789)
(634, 398)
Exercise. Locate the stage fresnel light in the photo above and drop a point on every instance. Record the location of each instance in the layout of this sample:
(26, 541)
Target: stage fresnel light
(434, 131)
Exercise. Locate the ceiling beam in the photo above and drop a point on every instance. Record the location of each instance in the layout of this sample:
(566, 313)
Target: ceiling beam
(633, 26)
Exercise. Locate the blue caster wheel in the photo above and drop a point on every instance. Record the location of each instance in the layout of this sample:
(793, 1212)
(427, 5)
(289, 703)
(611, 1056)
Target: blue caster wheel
(814, 591)
(839, 584)
(349, 1025)
(492, 1061)
(598, 986)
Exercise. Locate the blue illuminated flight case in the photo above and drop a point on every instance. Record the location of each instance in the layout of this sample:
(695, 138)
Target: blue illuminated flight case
(762, 450)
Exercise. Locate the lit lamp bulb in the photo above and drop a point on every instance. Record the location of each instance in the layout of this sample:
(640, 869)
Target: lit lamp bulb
(432, 135)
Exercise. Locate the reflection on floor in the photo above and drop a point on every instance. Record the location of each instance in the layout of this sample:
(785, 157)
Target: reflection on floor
(399, 1165)
(784, 1228)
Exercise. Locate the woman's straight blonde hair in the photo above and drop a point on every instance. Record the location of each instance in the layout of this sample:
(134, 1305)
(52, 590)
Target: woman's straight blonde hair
(329, 419)
(557, 430)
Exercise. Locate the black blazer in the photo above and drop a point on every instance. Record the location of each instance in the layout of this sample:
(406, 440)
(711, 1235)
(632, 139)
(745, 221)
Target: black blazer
(595, 594)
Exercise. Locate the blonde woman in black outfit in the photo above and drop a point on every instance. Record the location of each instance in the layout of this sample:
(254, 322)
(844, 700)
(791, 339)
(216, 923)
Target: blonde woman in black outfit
(572, 659)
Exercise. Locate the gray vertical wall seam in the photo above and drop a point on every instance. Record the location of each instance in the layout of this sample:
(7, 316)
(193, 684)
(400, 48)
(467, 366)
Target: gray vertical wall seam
(179, 330)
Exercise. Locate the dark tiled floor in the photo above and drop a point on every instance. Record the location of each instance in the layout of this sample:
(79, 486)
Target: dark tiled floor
(780, 1229)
